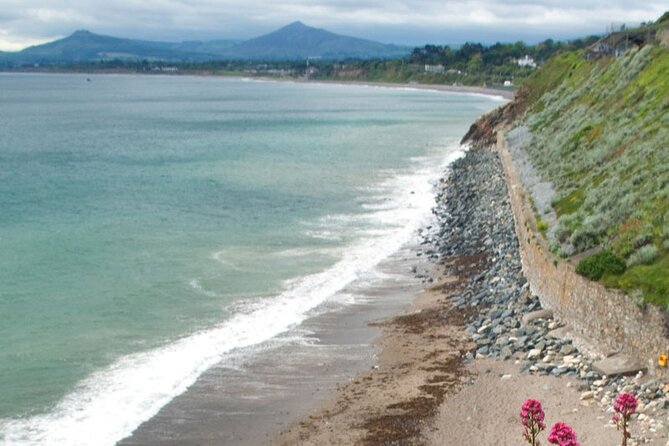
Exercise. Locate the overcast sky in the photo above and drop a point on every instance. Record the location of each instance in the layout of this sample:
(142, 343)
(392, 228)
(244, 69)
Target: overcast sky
(410, 22)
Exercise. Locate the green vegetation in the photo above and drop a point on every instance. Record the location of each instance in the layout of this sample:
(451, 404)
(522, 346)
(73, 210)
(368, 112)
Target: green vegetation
(604, 262)
(650, 279)
(600, 127)
(471, 64)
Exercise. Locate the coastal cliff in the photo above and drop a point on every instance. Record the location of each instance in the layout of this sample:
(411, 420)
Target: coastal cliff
(585, 156)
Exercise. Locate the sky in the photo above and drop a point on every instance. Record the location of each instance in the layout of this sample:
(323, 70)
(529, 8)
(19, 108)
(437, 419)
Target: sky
(407, 22)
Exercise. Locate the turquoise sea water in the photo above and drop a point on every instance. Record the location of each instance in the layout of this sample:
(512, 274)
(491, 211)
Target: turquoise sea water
(150, 225)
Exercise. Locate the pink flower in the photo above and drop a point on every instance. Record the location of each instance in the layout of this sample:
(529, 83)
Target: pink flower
(625, 404)
(532, 417)
(562, 434)
(532, 412)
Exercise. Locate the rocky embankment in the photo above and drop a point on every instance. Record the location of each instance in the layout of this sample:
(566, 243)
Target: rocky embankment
(476, 242)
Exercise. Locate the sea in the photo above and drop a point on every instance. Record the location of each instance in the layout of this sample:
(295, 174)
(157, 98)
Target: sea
(153, 226)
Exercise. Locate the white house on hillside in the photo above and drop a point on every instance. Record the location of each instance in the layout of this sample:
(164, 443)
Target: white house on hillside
(526, 61)
(434, 68)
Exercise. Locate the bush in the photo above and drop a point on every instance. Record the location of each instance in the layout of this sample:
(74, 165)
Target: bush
(604, 262)
(644, 256)
(583, 239)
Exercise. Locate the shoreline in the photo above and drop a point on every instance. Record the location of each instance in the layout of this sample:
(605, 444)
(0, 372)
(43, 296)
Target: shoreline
(505, 94)
(463, 89)
(454, 370)
(251, 400)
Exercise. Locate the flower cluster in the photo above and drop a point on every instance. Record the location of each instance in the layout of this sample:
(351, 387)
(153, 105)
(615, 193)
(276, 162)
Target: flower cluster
(624, 406)
(562, 434)
(532, 416)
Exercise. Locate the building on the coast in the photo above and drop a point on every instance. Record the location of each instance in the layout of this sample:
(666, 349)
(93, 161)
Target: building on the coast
(279, 71)
(165, 69)
(434, 68)
(526, 61)
(508, 83)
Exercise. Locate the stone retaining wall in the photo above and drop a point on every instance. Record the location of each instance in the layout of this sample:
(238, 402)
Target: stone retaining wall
(605, 318)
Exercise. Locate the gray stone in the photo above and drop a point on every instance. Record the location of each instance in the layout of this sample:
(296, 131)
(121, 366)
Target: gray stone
(618, 365)
(540, 314)
(506, 353)
(567, 349)
(483, 350)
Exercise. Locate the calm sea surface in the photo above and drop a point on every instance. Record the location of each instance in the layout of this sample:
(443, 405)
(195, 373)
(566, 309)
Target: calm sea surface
(151, 225)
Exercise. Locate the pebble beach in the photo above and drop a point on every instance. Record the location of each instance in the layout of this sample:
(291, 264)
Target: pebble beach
(476, 343)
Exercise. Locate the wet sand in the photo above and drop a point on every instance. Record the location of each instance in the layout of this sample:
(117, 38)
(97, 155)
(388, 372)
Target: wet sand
(488, 91)
(421, 362)
(249, 398)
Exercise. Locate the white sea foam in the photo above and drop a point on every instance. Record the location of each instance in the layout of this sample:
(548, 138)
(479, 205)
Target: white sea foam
(223, 258)
(197, 286)
(109, 404)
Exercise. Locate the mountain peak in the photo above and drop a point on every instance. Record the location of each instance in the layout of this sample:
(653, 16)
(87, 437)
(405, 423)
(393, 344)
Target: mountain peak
(296, 25)
(81, 33)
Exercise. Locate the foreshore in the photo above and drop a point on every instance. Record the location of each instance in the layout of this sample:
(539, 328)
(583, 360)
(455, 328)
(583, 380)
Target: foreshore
(454, 369)
(488, 91)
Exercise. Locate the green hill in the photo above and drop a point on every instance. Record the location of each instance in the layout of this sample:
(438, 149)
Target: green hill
(84, 46)
(599, 132)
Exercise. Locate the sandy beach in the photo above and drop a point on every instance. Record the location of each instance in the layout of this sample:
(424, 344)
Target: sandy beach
(444, 353)
(450, 368)
(488, 91)
(436, 383)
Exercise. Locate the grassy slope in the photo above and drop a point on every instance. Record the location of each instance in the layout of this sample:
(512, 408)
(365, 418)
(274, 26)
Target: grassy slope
(601, 134)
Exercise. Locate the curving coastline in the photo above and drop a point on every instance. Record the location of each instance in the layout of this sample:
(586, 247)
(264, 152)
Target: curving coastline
(457, 366)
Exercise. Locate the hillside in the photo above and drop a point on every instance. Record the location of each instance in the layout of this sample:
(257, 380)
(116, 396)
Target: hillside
(298, 41)
(84, 46)
(293, 42)
(596, 125)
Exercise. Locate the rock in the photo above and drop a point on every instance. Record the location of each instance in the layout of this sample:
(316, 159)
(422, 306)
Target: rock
(483, 342)
(498, 330)
(506, 353)
(534, 353)
(558, 371)
(567, 349)
(618, 365)
(540, 314)
(587, 395)
(484, 329)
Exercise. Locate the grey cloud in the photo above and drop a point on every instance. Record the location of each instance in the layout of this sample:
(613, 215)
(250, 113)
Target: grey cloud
(410, 22)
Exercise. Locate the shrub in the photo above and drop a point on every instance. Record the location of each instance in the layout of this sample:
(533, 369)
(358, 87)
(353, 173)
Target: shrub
(583, 239)
(604, 262)
(642, 240)
(644, 256)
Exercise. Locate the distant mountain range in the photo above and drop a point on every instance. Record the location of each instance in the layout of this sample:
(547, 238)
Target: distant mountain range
(293, 42)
